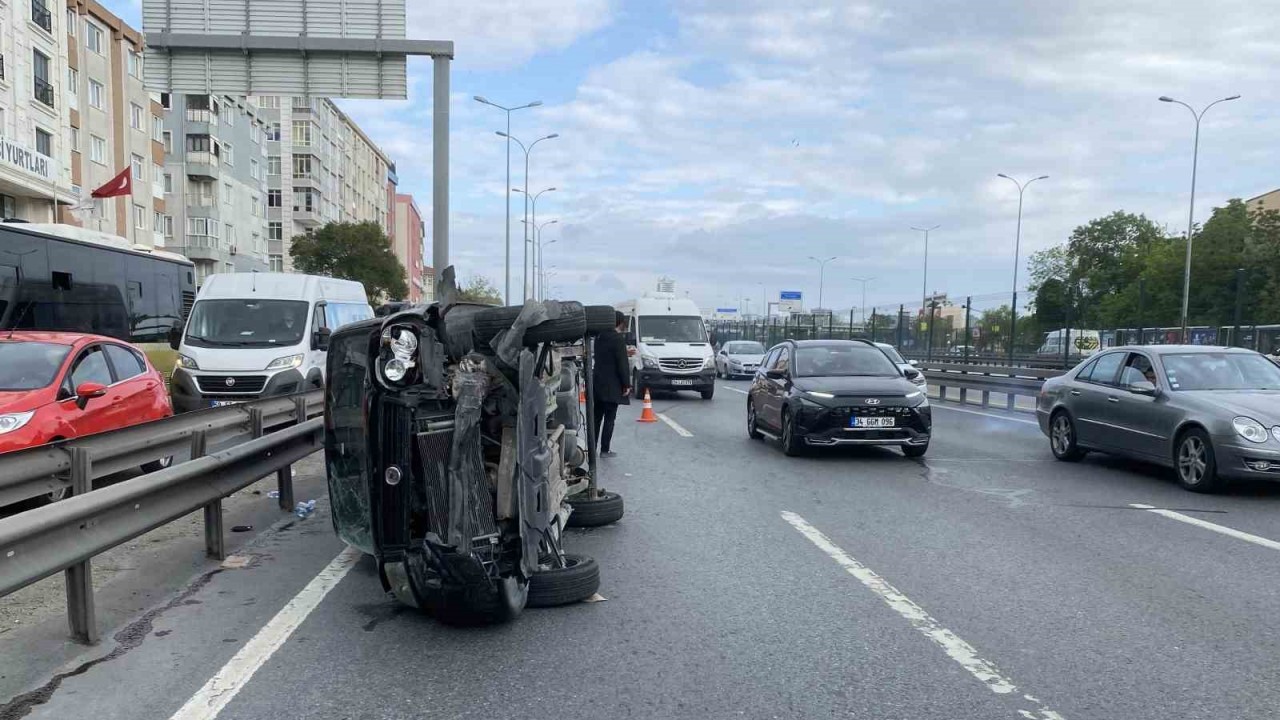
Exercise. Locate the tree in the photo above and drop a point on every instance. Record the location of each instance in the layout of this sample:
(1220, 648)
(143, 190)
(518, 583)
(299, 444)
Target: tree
(352, 251)
(480, 290)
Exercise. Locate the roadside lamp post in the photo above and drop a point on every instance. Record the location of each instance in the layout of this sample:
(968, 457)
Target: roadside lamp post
(1017, 251)
(508, 111)
(822, 271)
(527, 150)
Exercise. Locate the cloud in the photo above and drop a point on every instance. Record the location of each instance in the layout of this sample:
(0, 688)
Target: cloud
(496, 34)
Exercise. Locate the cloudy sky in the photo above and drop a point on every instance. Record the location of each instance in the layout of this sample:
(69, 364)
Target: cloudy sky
(723, 142)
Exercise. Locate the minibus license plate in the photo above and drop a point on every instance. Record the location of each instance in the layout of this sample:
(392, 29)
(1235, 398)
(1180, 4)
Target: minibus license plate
(871, 422)
(681, 382)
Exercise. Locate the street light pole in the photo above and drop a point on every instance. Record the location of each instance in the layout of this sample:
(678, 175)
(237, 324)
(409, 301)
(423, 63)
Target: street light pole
(924, 293)
(542, 268)
(1017, 250)
(864, 282)
(1191, 211)
(532, 224)
(527, 151)
(822, 272)
(507, 267)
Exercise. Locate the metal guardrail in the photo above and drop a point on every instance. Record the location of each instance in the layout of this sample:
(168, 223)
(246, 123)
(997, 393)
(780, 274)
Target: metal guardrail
(66, 535)
(45, 469)
(1008, 381)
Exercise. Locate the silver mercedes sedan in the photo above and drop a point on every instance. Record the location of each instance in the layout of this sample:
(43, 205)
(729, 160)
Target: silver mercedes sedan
(1210, 413)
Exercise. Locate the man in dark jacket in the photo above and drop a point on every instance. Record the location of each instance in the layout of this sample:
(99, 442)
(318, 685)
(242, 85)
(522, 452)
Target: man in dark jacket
(611, 381)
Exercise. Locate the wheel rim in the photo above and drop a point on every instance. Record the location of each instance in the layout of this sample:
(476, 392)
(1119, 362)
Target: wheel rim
(786, 430)
(751, 418)
(1192, 460)
(1061, 435)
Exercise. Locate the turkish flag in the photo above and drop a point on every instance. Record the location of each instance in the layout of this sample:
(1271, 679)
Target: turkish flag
(121, 184)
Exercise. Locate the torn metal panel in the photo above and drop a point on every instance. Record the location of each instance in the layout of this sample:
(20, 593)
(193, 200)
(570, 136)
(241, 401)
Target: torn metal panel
(347, 457)
(534, 460)
(471, 511)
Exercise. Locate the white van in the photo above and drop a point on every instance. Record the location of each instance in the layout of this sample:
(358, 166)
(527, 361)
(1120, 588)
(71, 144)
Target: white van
(1083, 343)
(672, 351)
(253, 335)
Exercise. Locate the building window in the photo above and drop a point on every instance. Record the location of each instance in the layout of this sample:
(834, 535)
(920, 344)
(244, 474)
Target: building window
(273, 198)
(135, 116)
(228, 194)
(301, 167)
(96, 93)
(139, 169)
(275, 231)
(166, 101)
(273, 165)
(168, 225)
(277, 263)
(228, 155)
(71, 22)
(256, 207)
(230, 117)
(41, 16)
(157, 129)
(273, 132)
(301, 103)
(229, 234)
(42, 88)
(302, 133)
(168, 143)
(269, 101)
(44, 142)
(97, 149)
(139, 217)
(168, 183)
(73, 89)
(253, 169)
(135, 64)
(93, 37)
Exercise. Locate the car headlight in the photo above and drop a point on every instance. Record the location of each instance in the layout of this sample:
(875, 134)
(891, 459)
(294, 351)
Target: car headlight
(1250, 429)
(709, 363)
(920, 380)
(12, 421)
(187, 362)
(649, 361)
(735, 363)
(402, 341)
(284, 363)
(822, 395)
(1275, 433)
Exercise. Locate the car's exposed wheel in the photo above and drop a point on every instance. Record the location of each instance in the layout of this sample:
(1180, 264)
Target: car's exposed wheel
(636, 391)
(593, 512)
(915, 451)
(157, 465)
(1062, 438)
(480, 604)
(709, 392)
(791, 445)
(1195, 463)
(753, 428)
(599, 318)
(570, 325)
(578, 580)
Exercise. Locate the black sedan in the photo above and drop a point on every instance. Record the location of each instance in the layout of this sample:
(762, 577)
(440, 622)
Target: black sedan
(825, 393)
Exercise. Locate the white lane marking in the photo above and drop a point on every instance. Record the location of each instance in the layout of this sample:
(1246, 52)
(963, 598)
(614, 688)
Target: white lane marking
(211, 699)
(1223, 529)
(984, 414)
(955, 647)
(733, 389)
(674, 425)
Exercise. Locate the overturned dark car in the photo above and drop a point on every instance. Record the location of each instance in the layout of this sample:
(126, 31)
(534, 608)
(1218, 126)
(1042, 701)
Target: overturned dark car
(457, 453)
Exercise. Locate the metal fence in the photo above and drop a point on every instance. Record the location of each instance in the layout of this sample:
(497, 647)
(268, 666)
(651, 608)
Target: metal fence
(216, 452)
(1001, 329)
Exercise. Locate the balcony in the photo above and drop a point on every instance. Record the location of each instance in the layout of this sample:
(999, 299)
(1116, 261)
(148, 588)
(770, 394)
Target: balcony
(308, 180)
(43, 91)
(307, 215)
(41, 16)
(203, 164)
(203, 247)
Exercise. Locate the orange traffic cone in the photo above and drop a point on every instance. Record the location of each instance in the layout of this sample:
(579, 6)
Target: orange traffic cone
(647, 415)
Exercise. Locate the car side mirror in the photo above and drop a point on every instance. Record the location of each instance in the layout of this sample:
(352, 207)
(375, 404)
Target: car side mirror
(1143, 387)
(775, 373)
(87, 391)
(320, 339)
(175, 336)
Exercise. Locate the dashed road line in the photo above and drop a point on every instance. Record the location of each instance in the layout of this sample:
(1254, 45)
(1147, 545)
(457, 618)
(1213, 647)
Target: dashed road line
(211, 699)
(1205, 524)
(674, 425)
(954, 646)
(984, 414)
(734, 389)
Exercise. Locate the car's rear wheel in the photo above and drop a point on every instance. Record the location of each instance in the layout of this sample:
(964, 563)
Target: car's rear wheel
(578, 580)
(1062, 438)
(1195, 463)
(636, 391)
(593, 512)
(791, 445)
(753, 428)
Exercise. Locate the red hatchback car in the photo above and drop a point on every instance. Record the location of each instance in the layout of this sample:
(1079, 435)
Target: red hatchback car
(57, 385)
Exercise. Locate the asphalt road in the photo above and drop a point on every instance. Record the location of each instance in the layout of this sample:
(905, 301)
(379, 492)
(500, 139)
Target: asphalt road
(984, 581)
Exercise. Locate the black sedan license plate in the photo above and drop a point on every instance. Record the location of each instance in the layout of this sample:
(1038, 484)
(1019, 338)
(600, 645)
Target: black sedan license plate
(681, 382)
(871, 422)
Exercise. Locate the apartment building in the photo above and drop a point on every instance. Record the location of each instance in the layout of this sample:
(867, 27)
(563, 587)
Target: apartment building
(35, 177)
(1264, 202)
(407, 236)
(215, 182)
(114, 124)
(321, 168)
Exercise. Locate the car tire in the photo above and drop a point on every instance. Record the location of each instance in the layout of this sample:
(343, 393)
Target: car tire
(157, 465)
(588, 512)
(571, 325)
(709, 393)
(637, 392)
(753, 427)
(577, 581)
(600, 318)
(915, 451)
(1194, 462)
(1062, 438)
(791, 445)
